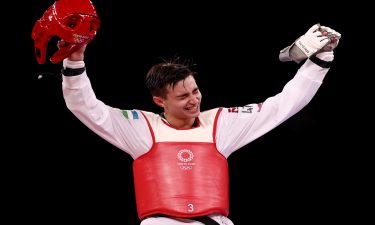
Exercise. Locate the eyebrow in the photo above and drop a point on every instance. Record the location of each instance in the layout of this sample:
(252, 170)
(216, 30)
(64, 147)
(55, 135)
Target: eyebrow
(186, 94)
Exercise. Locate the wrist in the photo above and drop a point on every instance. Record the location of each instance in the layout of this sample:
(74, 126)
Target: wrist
(73, 68)
(69, 72)
(326, 56)
(67, 63)
(320, 62)
(297, 54)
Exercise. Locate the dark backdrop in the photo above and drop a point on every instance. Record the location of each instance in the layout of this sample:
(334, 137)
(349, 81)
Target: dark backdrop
(298, 172)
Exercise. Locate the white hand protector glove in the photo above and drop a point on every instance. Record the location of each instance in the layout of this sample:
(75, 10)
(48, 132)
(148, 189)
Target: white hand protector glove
(334, 38)
(319, 41)
(313, 41)
(326, 53)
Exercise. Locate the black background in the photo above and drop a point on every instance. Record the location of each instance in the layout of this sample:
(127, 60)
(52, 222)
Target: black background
(305, 170)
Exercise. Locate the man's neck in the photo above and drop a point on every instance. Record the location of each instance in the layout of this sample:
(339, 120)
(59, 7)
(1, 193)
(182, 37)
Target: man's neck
(179, 124)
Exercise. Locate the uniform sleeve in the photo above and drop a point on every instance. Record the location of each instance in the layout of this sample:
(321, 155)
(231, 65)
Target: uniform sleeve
(126, 129)
(238, 126)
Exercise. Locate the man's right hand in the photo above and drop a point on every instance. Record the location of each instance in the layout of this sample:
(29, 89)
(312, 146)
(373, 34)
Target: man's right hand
(77, 54)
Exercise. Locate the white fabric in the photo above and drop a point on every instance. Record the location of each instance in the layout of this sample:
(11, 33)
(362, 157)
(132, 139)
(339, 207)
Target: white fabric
(164, 133)
(73, 64)
(326, 56)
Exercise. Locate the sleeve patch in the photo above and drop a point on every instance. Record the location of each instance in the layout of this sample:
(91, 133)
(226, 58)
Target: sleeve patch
(130, 114)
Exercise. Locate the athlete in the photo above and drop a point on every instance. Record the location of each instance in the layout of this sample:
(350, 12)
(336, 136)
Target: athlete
(180, 156)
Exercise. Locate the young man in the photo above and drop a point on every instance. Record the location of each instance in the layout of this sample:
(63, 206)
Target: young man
(180, 156)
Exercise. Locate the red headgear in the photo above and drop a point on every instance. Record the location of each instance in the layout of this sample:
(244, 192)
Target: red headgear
(74, 21)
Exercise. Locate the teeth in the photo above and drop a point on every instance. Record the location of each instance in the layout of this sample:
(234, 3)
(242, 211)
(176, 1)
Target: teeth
(193, 108)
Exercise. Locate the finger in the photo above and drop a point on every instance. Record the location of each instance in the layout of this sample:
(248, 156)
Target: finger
(314, 28)
(329, 30)
(338, 35)
(324, 39)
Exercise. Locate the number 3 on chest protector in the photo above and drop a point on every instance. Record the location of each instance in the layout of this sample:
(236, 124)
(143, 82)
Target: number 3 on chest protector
(190, 207)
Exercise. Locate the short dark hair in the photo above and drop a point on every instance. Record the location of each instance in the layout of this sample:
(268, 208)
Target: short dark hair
(167, 73)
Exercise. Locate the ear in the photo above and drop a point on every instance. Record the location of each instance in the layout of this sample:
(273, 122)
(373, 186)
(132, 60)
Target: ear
(159, 101)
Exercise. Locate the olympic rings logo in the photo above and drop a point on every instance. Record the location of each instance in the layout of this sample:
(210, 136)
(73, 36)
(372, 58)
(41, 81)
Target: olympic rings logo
(185, 155)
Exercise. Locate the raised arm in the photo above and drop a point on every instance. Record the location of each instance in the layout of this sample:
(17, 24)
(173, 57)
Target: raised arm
(129, 134)
(239, 126)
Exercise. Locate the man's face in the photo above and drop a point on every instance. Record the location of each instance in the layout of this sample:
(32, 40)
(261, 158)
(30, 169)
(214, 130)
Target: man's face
(183, 100)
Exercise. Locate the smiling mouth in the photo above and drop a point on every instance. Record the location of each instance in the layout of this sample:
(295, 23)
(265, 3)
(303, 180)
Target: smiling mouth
(192, 109)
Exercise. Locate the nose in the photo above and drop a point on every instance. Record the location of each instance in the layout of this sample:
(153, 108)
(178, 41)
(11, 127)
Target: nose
(194, 100)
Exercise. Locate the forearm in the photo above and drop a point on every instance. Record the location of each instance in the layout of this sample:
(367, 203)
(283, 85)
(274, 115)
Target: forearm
(241, 125)
(131, 136)
(81, 100)
(295, 95)
(77, 90)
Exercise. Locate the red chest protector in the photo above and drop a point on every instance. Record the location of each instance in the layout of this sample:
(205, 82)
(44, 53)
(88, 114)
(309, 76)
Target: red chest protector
(182, 179)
